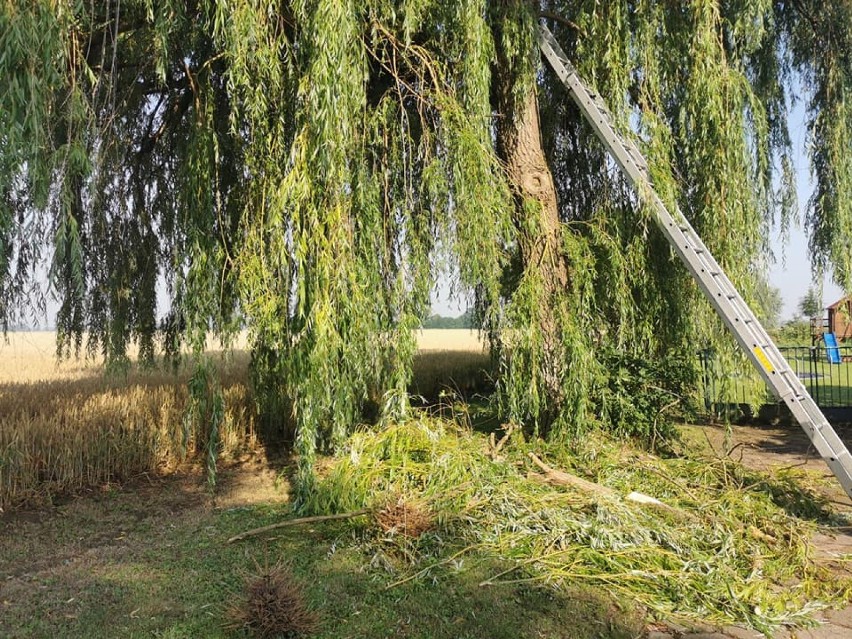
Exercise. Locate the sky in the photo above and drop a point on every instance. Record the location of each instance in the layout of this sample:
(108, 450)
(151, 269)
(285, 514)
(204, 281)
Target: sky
(794, 278)
(792, 275)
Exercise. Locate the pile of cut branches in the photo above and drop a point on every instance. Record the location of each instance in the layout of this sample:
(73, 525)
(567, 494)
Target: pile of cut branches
(704, 539)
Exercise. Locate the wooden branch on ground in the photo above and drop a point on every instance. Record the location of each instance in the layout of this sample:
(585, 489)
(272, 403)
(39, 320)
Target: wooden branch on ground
(296, 522)
(561, 478)
(496, 446)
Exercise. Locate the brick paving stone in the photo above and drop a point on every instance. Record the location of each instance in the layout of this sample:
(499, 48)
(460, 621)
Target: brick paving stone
(695, 628)
(827, 631)
(735, 632)
(842, 618)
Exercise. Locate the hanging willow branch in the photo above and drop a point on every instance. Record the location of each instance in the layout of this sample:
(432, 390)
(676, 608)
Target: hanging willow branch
(309, 170)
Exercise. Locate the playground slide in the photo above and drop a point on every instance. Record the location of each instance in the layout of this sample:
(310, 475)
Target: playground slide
(831, 349)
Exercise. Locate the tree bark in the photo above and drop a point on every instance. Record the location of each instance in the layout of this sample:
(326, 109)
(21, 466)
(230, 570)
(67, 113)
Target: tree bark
(536, 218)
(519, 146)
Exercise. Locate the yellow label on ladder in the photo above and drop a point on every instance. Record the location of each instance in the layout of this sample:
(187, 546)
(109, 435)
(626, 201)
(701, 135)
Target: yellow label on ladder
(763, 359)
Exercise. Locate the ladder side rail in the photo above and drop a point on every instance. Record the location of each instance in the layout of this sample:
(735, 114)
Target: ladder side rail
(711, 278)
(729, 305)
(744, 323)
(749, 319)
(781, 379)
(672, 228)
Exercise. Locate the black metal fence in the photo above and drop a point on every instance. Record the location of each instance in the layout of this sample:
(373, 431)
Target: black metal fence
(826, 372)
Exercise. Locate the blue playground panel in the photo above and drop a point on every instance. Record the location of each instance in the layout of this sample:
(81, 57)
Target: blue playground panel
(832, 351)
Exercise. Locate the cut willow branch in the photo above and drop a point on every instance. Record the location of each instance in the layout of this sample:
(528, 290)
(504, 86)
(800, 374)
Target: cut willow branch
(296, 522)
(561, 478)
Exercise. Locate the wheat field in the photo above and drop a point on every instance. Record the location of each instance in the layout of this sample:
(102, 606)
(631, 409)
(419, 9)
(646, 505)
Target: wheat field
(29, 356)
(66, 427)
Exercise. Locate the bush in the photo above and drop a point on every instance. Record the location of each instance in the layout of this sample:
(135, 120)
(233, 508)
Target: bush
(644, 395)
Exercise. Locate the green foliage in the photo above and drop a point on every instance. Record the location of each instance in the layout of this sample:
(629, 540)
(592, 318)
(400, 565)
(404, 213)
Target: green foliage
(644, 397)
(532, 365)
(203, 417)
(308, 170)
(717, 556)
(768, 304)
(811, 304)
(794, 333)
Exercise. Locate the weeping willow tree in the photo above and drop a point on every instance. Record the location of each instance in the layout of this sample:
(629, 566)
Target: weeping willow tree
(305, 169)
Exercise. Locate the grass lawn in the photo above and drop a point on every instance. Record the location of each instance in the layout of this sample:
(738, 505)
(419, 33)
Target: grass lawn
(148, 557)
(151, 560)
(829, 384)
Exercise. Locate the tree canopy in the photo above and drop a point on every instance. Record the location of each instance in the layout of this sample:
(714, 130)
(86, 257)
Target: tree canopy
(811, 303)
(768, 304)
(307, 169)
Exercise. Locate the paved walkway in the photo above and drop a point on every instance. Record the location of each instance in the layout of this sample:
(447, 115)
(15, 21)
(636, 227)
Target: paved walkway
(837, 625)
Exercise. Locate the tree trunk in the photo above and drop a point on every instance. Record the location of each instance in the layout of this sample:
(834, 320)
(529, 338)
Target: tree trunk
(519, 146)
(539, 229)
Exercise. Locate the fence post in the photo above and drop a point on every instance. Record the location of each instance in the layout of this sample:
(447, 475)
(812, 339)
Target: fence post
(813, 376)
(708, 380)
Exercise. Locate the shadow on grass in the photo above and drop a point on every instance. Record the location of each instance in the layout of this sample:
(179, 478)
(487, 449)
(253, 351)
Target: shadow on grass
(784, 452)
(155, 563)
(460, 374)
(452, 604)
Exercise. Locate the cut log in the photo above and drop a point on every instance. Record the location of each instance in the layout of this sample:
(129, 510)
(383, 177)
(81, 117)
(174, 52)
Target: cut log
(561, 478)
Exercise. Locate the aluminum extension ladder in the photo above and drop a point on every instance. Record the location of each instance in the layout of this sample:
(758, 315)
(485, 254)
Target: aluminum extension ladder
(716, 286)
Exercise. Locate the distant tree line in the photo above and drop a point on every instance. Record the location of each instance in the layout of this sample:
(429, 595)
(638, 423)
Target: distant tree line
(465, 320)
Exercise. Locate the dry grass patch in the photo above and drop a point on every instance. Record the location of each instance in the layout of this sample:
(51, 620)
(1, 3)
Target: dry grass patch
(450, 339)
(28, 357)
(65, 427)
(272, 604)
